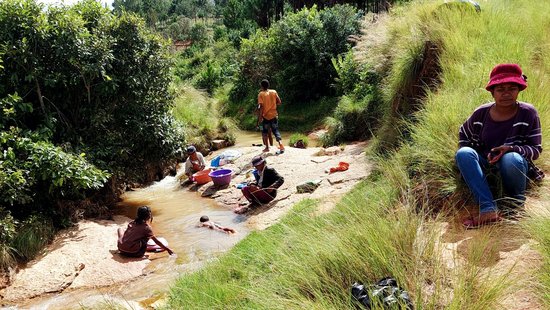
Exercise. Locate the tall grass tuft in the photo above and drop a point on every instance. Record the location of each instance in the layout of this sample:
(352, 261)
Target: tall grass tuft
(298, 137)
(201, 117)
(7, 256)
(32, 236)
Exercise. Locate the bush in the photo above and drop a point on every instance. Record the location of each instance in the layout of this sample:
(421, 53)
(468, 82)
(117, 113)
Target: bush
(207, 68)
(297, 51)
(95, 79)
(95, 104)
(359, 111)
(347, 73)
(199, 34)
(7, 233)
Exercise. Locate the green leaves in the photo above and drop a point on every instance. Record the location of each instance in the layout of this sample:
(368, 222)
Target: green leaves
(25, 164)
(297, 51)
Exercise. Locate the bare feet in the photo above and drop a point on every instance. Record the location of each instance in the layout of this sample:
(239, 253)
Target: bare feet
(483, 219)
(241, 210)
(265, 150)
(244, 209)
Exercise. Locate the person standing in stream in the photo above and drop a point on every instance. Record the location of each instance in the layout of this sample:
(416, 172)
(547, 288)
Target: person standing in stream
(268, 100)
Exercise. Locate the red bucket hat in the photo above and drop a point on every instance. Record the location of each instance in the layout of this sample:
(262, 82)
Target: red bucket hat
(507, 73)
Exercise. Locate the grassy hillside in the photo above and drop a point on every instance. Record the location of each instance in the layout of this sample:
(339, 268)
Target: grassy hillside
(201, 117)
(392, 224)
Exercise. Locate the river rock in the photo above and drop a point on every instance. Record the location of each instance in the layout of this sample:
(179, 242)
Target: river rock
(218, 144)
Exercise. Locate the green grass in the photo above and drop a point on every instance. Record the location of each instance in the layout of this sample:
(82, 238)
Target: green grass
(538, 228)
(7, 256)
(32, 236)
(387, 225)
(267, 270)
(201, 117)
(295, 117)
(297, 137)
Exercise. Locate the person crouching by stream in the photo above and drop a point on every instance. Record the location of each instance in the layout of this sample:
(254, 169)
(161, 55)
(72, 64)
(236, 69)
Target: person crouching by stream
(264, 189)
(132, 242)
(501, 137)
(194, 163)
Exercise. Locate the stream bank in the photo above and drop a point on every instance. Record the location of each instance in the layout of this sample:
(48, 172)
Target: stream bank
(81, 267)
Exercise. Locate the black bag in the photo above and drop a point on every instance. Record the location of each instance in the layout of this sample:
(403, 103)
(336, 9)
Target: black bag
(385, 292)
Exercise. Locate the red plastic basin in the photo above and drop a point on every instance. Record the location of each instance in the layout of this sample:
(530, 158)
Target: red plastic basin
(202, 176)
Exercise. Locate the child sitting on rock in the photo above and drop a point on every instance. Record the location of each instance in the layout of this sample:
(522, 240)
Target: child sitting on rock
(132, 242)
(205, 222)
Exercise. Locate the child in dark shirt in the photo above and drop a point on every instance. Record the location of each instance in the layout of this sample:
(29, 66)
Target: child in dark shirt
(132, 242)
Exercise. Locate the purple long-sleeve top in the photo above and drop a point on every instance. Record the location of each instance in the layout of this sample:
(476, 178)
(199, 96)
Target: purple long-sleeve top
(525, 136)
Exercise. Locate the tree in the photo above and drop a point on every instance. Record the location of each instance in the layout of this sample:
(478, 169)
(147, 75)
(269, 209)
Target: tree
(296, 52)
(89, 83)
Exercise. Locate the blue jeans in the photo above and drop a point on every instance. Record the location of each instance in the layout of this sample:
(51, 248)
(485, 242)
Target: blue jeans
(513, 172)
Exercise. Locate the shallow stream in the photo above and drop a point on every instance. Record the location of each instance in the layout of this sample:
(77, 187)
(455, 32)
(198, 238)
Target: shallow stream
(176, 213)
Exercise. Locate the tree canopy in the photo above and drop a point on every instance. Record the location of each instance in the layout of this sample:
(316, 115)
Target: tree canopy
(84, 96)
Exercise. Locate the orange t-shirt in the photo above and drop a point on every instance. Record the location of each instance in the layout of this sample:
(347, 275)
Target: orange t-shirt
(268, 99)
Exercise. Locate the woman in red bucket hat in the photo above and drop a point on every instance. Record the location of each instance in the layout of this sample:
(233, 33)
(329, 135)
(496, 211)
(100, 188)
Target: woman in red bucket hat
(500, 138)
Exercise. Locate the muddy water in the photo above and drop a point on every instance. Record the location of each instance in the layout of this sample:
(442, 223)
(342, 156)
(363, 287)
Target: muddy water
(176, 212)
(249, 138)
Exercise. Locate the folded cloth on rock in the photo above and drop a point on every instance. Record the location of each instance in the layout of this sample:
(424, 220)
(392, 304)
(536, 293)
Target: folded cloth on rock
(342, 166)
(225, 157)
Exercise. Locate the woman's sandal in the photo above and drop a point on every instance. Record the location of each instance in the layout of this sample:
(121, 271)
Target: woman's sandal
(476, 222)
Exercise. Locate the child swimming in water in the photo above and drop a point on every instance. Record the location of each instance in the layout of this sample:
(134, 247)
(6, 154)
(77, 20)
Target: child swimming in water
(205, 222)
(132, 242)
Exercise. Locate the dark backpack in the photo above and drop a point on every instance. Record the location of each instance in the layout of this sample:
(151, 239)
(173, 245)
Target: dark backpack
(385, 292)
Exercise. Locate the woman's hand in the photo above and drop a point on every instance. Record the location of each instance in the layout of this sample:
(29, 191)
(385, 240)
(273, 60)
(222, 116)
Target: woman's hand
(497, 152)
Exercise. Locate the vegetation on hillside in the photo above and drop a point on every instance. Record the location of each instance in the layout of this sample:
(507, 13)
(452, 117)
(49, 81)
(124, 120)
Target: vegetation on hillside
(84, 97)
(235, 44)
(439, 57)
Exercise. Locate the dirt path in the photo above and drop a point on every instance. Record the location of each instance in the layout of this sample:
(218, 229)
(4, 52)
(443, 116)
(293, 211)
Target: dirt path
(84, 256)
(509, 254)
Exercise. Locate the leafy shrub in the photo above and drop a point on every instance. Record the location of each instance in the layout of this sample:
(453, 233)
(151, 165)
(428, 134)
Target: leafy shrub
(178, 28)
(297, 51)
(7, 233)
(95, 103)
(31, 170)
(199, 34)
(210, 77)
(359, 110)
(207, 68)
(347, 73)
(99, 82)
